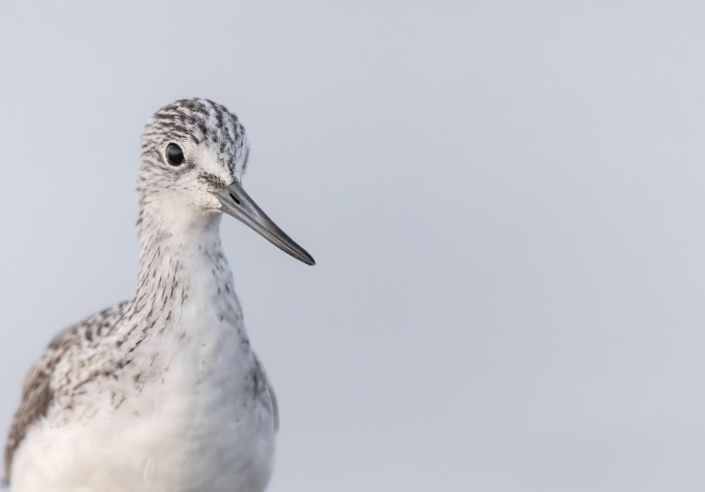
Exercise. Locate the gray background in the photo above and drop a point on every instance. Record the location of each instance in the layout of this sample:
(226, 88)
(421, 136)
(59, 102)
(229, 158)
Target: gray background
(505, 202)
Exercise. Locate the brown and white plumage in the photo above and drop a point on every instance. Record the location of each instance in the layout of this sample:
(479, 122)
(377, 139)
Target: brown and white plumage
(161, 392)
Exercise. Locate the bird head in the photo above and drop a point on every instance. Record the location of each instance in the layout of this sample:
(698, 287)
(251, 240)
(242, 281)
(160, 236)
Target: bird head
(194, 153)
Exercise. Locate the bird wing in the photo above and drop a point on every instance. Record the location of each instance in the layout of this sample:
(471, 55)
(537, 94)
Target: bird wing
(275, 408)
(37, 394)
(262, 390)
(37, 390)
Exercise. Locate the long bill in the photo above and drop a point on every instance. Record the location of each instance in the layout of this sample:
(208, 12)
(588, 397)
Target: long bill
(237, 203)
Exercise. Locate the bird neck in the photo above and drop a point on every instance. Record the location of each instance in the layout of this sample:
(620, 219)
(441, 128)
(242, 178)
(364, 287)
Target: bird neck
(184, 286)
(181, 256)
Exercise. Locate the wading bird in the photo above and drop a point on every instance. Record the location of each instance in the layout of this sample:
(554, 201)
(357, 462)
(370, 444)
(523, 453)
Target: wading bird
(161, 393)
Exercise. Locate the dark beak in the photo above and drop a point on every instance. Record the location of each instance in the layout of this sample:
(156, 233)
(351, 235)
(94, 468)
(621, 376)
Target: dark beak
(237, 202)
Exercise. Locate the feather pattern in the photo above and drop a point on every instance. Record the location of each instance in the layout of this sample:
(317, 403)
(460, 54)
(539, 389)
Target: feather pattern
(161, 392)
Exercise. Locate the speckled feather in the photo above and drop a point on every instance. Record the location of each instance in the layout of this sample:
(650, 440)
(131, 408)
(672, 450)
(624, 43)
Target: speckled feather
(182, 333)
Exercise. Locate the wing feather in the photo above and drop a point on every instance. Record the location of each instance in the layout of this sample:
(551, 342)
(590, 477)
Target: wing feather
(37, 396)
(37, 391)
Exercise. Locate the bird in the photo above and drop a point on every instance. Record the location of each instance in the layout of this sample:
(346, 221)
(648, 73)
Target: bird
(162, 392)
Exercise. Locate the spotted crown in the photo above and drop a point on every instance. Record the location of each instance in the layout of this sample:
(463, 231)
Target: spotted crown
(204, 123)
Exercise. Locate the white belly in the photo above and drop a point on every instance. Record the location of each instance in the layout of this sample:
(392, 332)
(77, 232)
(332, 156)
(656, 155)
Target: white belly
(188, 431)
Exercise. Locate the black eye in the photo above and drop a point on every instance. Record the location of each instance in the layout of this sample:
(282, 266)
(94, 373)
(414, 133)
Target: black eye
(174, 154)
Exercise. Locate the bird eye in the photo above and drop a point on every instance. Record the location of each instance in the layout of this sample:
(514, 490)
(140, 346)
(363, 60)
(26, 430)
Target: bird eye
(174, 154)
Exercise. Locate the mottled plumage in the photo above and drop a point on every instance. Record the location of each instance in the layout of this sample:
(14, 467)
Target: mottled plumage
(161, 392)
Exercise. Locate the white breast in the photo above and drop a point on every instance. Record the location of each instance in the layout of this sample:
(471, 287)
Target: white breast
(190, 421)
